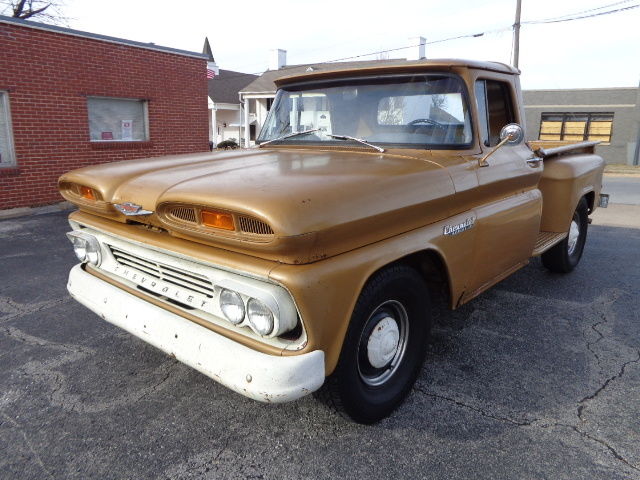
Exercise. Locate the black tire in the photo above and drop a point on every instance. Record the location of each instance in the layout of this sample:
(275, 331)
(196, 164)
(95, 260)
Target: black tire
(563, 257)
(358, 388)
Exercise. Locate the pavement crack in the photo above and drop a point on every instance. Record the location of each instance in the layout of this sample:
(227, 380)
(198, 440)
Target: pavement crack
(519, 423)
(594, 327)
(600, 309)
(30, 446)
(201, 463)
(602, 442)
(14, 310)
(155, 387)
(34, 341)
(588, 398)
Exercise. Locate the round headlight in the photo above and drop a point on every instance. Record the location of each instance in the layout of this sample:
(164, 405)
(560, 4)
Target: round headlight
(260, 317)
(92, 250)
(232, 306)
(80, 248)
(86, 247)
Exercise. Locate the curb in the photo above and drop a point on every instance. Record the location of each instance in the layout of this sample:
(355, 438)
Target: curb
(29, 211)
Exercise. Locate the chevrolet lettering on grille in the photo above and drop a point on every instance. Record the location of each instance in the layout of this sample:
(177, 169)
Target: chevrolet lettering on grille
(167, 290)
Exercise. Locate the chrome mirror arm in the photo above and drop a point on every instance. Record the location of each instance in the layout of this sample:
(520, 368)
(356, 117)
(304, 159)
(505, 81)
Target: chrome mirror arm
(511, 134)
(483, 161)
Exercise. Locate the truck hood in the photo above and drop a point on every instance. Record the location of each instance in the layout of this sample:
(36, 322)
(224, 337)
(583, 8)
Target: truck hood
(318, 203)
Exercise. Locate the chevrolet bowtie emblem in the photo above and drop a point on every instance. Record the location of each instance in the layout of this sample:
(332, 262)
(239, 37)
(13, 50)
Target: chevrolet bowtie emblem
(129, 208)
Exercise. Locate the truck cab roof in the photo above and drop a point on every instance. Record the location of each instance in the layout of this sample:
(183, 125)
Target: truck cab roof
(399, 66)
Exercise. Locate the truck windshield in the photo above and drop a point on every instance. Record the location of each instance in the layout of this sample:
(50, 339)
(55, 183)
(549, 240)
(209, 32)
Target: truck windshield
(417, 111)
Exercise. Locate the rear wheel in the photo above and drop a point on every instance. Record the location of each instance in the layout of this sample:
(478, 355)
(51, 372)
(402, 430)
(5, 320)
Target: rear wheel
(384, 347)
(563, 257)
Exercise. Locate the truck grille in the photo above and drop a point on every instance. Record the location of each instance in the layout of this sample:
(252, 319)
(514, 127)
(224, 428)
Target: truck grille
(253, 225)
(170, 274)
(186, 214)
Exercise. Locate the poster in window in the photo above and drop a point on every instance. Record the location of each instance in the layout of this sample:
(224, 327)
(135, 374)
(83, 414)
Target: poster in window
(127, 129)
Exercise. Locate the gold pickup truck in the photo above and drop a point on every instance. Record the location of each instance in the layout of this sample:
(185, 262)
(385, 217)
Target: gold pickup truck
(310, 261)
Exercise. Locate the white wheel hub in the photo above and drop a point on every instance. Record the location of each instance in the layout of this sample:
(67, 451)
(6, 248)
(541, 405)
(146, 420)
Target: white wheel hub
(574, 233)
(383, 343)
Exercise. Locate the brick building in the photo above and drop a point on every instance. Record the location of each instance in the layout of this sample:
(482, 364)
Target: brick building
(70, 98)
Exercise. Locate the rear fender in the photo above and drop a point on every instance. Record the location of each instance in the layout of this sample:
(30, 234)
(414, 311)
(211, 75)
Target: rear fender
(565, 180)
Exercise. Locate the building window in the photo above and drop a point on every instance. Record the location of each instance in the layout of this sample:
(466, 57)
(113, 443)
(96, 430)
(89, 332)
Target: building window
(117, 119)
(576, 126)
(7, 153)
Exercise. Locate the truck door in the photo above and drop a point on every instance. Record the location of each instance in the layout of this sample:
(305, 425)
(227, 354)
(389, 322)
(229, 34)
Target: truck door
(509, 204)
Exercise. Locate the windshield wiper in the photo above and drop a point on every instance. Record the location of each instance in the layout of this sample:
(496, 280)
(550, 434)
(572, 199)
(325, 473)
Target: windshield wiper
(359, 140)
(289, 135)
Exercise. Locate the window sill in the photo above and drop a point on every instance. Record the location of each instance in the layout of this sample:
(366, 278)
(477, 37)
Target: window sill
(10, 171)
(108, 145)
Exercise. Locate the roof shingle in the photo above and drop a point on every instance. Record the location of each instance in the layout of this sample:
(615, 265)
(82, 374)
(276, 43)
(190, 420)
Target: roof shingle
(224, 87)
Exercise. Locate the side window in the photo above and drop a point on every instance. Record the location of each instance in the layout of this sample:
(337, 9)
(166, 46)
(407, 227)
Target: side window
(495, 108)
(483, 119)
(7, 155)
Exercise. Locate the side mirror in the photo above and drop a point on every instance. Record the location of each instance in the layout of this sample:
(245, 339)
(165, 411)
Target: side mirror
(511, 134)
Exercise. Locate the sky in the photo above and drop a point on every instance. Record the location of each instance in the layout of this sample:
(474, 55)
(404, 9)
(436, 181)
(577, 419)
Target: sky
(602, 51)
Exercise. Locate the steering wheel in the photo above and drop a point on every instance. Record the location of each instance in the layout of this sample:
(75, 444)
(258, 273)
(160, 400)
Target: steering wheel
(429, 121)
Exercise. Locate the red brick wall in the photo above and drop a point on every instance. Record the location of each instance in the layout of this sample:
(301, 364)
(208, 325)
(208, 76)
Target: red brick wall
(49, 75)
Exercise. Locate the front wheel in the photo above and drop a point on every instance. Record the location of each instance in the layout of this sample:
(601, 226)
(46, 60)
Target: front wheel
(563, 257)
(384, 347)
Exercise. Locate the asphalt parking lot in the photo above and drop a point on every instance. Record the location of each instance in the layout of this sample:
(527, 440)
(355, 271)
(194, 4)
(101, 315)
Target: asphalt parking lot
(537, 378)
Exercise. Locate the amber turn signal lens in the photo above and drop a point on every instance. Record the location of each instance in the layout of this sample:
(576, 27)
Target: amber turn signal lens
(87, 193)
(220, 220)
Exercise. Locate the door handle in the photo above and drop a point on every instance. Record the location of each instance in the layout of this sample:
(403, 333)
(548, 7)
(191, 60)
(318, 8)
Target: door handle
(534, 162)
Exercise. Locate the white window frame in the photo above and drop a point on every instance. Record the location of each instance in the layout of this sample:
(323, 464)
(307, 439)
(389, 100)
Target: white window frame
(6, 112)
(145, 113)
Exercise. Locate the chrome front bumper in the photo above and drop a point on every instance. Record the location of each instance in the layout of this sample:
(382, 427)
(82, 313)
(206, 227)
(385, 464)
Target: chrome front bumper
(256, 375)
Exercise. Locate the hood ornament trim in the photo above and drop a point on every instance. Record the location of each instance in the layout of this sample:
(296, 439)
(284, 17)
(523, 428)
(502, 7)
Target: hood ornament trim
(131, 209)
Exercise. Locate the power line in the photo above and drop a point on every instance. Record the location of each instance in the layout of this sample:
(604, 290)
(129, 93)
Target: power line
(559, 20)
(564, 18)
(586, 11)
(470, 35)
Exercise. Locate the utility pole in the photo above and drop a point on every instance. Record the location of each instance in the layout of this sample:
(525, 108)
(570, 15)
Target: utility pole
(516, 35)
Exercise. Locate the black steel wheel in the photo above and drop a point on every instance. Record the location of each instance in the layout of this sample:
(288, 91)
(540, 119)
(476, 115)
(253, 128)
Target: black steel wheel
(563, 257)
(384, 347)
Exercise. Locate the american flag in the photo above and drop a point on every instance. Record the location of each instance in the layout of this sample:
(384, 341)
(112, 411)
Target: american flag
(210, 73)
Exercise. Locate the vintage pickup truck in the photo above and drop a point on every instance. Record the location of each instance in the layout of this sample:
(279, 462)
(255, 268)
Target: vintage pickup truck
(310, 262)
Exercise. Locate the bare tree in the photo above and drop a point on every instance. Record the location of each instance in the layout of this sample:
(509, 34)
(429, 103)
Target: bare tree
(47, 11)
(439, 101)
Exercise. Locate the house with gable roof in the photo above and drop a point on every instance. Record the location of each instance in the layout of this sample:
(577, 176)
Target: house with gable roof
(225, 110)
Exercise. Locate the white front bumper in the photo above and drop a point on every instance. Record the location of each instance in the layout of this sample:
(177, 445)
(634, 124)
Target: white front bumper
(260, 376)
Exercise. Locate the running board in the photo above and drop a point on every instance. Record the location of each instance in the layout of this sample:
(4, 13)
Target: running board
(546, 240)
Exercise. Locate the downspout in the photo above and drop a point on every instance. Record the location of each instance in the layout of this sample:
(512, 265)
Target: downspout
(247, 128)
(636, 154)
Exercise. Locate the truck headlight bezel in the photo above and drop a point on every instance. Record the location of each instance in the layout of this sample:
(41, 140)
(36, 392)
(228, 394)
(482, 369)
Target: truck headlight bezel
(86, 247)
(275, 304)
